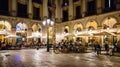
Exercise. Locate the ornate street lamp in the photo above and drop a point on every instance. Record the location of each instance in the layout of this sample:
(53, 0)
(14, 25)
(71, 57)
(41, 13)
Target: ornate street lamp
(48, 23)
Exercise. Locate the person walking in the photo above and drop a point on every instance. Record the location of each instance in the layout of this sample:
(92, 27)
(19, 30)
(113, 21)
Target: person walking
(111, 47)
(106, 48)
(98, 48)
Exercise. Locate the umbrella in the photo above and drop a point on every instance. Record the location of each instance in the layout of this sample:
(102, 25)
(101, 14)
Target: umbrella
(85, 33)
(35, 36)
(4, 32)
(12, 36)
(104, 33)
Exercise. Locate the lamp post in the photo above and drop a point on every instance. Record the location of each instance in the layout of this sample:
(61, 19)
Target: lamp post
(48, 23)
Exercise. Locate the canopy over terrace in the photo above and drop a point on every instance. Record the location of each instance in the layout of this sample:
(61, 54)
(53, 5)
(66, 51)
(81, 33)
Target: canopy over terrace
(105, 32)
(35, 35)
(4, 32)
(12, 36)
(85, 33)
(100, 32)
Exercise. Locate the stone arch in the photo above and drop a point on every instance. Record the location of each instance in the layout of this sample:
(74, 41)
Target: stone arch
(21, 26)
(36, 27)
(78, 27)
(21, 30)
(109, 22)
(5, 24)
(66, 29)
(115, 25)
(91, 24)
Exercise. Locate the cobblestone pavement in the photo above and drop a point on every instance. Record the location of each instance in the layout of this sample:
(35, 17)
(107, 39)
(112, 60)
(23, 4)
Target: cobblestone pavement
(41, 58)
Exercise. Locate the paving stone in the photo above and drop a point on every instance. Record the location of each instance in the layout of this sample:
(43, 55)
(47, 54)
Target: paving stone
(41, 58)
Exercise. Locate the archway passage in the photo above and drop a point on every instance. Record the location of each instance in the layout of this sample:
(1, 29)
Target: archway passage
(21, 27)
(66, 33)
(109, 22)
(21, 30)
(78, 27)
(36, 33)
(91, 25)
(2, 27)
(36, 27)
(5, 26)
(66, 29)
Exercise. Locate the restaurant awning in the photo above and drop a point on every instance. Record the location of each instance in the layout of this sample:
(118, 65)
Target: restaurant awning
(104, 33)
(12, 36)
(86, 34)
(4, 32)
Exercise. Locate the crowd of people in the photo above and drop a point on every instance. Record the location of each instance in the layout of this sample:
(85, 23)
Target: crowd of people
(4, 45)
(19, 45)
(68, 46)
(110, 48)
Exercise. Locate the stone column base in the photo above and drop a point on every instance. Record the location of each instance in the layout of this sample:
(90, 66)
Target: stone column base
(30, 16)
(70, 17)
(83, 14)
(13, 13)
(99, 10)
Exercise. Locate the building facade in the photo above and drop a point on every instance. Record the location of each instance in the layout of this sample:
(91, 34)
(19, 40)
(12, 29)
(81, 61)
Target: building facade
(77, 20)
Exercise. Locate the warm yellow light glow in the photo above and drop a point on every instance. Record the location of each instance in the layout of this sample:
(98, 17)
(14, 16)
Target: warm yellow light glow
(36, 27)
(78, 26)
(93, 24)
(48, 21)
(109, 22)
(7, 24)
(50, 31)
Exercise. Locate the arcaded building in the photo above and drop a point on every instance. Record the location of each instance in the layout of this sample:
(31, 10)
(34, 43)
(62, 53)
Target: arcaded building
(74, 20)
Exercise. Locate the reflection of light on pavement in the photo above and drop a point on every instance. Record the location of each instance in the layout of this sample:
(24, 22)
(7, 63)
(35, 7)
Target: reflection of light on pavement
(37, 58)
(4, 59)
(77, 57)
(23, 55)
(107, 61)
(37, 55)
(18, 58)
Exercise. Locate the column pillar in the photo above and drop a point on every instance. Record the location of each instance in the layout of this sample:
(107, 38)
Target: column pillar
(14, 8)
(99, 6)
(70, 9)
(74, 11)
(58, 10)
(103, 4)
(30, 9)
(118, 27)
(41, 11)
(84, 8)
(100, 38)
(13, 31)
(45, 9)
(61, 11)
(29, 32)
(117, 4)
(100, 27)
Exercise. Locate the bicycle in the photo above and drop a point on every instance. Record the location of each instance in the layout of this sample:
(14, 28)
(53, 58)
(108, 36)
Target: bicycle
(57, 50)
